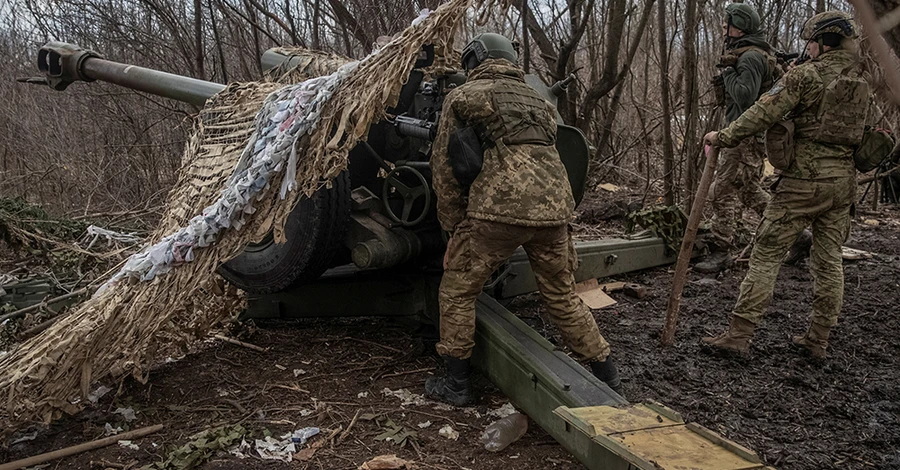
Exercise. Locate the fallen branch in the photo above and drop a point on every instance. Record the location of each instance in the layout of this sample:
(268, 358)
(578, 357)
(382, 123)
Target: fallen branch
(687, 247)
(241, 343)
(869, 179)
(398, 374)
(349, 427)
(24, 311)
(80, 448)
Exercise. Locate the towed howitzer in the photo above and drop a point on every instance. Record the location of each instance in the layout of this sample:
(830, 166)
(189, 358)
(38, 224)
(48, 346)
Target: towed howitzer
(378, 214)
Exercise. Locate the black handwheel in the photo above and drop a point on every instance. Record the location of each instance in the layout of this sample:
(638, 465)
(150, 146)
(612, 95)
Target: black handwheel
(410, 195)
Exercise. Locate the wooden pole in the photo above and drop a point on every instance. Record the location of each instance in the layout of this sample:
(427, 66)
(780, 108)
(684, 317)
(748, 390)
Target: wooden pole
(687, 246)
(80, 448)
(879, 46)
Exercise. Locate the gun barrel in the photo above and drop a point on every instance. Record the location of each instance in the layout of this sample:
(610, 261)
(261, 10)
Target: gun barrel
(64, 64)
(164, 84)
(786, 56)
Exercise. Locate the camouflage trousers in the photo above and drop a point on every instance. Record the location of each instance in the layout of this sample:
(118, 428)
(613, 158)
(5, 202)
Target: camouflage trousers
(478, 248)
(797, 204)
(738, 184)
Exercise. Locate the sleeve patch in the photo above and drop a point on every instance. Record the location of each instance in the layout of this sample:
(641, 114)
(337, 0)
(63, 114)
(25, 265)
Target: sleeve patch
(775, 89)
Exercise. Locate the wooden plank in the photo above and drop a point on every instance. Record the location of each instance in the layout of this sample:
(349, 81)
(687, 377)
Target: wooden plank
(717, 439)
(681, 447)
(605, 420)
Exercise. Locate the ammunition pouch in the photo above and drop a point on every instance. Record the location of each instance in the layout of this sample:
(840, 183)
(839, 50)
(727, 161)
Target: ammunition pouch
(875, 147)
(780, 145)
(466, 155)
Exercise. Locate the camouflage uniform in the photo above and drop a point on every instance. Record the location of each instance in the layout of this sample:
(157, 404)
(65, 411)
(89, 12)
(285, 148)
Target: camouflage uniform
(739, 176)
(521, 197)
(817, 189)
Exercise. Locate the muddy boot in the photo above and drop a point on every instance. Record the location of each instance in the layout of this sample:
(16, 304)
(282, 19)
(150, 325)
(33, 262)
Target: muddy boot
(815, 340)
(456, 387)
(800, 249)
(736, 339)
(715, 262)
(606, 371)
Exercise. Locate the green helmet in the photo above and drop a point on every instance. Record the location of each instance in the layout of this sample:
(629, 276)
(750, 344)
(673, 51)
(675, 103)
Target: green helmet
(743, 17)
(488, 46)
(832, 21)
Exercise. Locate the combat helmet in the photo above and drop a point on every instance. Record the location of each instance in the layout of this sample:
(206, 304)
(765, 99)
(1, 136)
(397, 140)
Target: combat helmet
(743, 17)
(833, 21)
(488, 46)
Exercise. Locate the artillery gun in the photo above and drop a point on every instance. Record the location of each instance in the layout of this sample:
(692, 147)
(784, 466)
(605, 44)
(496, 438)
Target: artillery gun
(375, 235)
(380, 213)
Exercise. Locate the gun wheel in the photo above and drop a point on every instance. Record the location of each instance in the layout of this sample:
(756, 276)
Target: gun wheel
(315, 233)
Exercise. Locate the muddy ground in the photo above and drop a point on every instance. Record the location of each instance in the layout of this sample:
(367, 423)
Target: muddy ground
(346, 365)
(795, 412)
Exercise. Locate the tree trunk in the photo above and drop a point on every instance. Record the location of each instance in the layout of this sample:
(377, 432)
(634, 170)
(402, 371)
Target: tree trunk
(691, 115)
(198, 39)
(526, 45)
(317, 8)
(668, 151)
(607, 83)
(218, 39)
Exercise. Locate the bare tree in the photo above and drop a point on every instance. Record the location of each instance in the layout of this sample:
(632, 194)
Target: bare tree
(668, 151)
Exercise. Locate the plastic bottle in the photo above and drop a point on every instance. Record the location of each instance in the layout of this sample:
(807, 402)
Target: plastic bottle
(504, 432)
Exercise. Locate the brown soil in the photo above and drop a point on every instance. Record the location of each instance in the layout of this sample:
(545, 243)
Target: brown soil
(222, 384)
(795, 412)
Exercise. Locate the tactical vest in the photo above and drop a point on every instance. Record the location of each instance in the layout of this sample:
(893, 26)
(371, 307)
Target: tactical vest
(774, 74)
(841, 118)
(520, 116)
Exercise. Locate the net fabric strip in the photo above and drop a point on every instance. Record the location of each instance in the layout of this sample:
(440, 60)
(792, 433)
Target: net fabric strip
(118, 332)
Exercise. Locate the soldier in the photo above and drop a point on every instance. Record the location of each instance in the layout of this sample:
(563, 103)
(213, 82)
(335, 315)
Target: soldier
(520, 197)
(749, 69)
(827, 103)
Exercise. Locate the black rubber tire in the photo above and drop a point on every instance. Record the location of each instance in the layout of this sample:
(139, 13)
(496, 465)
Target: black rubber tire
(315, 232)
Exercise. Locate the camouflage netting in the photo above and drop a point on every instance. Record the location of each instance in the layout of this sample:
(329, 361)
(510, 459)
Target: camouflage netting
(118, 332)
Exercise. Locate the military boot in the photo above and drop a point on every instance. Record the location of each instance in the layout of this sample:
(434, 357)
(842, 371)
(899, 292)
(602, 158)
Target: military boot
(715, 262)
(800, 249)
(815, 340)
(606, 371)
(736, 339)
(454, 388)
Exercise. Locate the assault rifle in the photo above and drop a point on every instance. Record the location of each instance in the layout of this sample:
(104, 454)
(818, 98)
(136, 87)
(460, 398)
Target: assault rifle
(790, 58)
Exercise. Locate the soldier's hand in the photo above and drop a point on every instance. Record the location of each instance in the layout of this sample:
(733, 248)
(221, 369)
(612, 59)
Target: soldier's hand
(712, 138)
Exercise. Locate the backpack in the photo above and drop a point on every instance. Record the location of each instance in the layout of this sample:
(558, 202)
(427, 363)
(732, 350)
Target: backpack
(843, 110)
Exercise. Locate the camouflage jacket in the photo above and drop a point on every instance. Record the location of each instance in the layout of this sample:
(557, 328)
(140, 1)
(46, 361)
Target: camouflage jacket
(519, 184)
(744, 81)
(796, 97)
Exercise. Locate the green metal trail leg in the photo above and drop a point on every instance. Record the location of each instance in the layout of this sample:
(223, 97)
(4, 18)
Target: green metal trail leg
(596, 259)
(537, 378)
